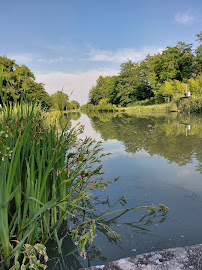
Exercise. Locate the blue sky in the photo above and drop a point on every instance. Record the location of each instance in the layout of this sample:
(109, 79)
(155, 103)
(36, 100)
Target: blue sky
(69, 43)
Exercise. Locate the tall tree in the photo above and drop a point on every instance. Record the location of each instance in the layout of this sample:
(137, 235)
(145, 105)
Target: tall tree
(74, 105)
(60, 100)
(21, 81)
(198, 60)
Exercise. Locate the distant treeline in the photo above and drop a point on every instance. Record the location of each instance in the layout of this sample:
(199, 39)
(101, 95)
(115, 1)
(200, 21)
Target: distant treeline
(156, 79)
(19, 83)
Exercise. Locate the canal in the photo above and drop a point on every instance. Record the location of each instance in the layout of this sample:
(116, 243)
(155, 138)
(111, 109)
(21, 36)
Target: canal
(158, 159)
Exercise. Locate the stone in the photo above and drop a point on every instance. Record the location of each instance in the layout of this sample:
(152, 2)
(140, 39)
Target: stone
(181, 258)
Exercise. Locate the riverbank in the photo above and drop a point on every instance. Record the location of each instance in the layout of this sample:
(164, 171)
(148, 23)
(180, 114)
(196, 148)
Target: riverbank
(168, 259)
(190, 105)
(158, 108)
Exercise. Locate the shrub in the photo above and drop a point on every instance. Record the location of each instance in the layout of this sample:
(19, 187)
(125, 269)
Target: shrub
(192, 105)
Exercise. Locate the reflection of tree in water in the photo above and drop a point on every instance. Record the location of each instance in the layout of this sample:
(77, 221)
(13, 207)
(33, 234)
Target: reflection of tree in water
(73, 115)
(158, 135)
(104, 116)
(64, 120)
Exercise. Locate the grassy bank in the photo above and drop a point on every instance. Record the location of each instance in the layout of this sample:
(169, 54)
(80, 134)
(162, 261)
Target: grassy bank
(190, 105)
(165, 107)
(150, 108)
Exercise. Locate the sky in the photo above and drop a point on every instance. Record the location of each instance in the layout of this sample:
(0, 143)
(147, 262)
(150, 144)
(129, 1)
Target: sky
(68, 44)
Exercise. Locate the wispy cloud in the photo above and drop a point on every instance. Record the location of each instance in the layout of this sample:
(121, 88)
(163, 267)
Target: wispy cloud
(28, 58)
(121, 55)
(80, 83)
(54, 60)
(184, 18)
(25, 58)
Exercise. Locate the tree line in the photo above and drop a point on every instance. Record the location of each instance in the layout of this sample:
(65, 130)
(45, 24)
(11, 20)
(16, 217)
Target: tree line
(19, 83)
(156, 79)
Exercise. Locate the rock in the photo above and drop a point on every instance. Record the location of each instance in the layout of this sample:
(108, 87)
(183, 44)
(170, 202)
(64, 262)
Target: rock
(182, 258)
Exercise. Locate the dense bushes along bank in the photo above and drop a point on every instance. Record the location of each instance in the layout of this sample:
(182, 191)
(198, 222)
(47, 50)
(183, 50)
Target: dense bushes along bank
(189, 105)
(192, 105)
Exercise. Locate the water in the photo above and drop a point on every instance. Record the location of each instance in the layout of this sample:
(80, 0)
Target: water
(159, 161)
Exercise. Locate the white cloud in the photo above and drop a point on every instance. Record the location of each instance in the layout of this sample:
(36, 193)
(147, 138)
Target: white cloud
(80, 84)
(21, 59)
(122, 55)
(184, 18)
(54, 60)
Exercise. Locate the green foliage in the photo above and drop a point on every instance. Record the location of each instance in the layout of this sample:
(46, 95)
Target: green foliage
(103, 106)
(104, 89)
(161, 76)
(145, 102)
(198, 53)
(174, 63)
(21, 82)
(171, 88)
(60, 101)
(74, 105)
(192, 105)
(46, 175)
(195, 86)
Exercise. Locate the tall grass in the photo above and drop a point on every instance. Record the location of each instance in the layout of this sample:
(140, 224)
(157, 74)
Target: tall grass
(45, 175)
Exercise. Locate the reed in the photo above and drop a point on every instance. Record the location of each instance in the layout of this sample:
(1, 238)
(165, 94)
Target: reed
(45, 175)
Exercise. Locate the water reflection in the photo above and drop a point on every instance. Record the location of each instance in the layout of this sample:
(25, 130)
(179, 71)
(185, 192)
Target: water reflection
(70, 259)
(165, 135)
(159, 160)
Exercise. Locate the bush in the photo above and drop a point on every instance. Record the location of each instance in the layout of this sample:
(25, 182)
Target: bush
(145, 102)
(103, 106)
(192, 105)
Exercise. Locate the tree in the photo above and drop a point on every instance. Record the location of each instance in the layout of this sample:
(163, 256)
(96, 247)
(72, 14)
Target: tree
(175, 63)
(37, 92)
(21, 81)
(198, 59)
(105, 88)
(60, 100)
(161, 76)
(74, 105)
(199, 37)
(127, 68)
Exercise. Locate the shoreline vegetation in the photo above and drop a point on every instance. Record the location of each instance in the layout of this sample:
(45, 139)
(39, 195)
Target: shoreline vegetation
(191, 105)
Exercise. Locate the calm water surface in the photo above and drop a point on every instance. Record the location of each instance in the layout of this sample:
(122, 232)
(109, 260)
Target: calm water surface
(159, 161)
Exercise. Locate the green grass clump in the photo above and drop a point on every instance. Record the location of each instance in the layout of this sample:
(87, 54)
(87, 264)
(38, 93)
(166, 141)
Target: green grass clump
(102, 106)
(46, 174)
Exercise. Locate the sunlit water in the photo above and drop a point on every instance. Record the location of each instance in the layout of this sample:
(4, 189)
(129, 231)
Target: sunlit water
(159, 161)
